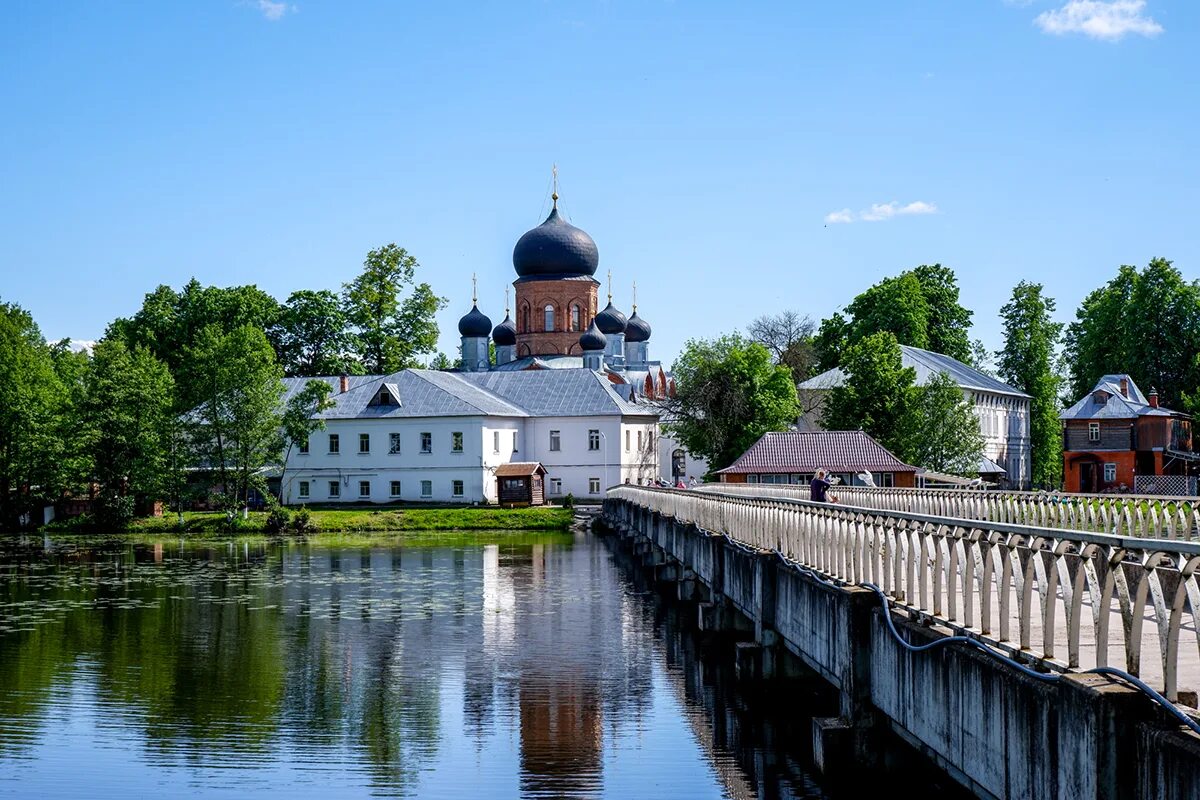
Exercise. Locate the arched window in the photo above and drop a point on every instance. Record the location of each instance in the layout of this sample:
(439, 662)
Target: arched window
(524, 319)
(549, 317)
(575, 317)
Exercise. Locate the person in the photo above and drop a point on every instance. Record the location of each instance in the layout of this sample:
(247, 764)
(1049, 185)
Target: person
(693, 481)
(818, 487)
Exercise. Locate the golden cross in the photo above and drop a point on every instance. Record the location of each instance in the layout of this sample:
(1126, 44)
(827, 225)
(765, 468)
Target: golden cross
(506, 301)
(554, 174)
(474, 289)
(635, 296)
(610, 286)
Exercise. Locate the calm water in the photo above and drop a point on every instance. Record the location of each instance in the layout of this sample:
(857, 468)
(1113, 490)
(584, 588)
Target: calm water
(530, 668)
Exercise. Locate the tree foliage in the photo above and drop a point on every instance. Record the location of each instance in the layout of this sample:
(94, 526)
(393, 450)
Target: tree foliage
(876, 395)
(945, 430)
(729, 392)
(393, 314)
(301, 417)
(1027, 363)
(313, 336)
(788, 335)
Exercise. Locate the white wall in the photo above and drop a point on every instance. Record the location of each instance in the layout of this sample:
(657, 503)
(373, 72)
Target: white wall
(694, 465)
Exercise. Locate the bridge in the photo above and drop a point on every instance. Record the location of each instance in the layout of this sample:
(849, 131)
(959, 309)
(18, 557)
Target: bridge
(1032, 646)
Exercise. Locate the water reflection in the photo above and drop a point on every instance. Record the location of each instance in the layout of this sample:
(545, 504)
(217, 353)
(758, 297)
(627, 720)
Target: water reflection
(524, 667)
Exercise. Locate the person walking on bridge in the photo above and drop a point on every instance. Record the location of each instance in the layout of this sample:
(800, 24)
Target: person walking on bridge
(819, 487)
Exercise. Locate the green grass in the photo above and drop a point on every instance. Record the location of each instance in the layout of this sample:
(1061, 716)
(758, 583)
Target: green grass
(356, 520)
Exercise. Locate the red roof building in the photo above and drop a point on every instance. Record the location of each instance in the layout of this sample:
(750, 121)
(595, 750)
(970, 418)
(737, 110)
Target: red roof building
(793, 457)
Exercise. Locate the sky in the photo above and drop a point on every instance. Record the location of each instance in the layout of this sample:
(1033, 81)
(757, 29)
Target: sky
(734, 159)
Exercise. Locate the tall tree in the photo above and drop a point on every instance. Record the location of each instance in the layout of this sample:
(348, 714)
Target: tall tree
(949, 322)
(129, 404)
(314, 337)
(301, 418)
(896, 305)
(237, 425)
(789, 337)
(876, 395)
(30, 401)
(1027, 363)
(945, 435)
(729, 392)
(393, 313)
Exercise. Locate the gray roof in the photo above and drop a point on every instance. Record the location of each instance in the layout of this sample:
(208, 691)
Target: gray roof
(557, 392)
(1118, 406)
(926, 364)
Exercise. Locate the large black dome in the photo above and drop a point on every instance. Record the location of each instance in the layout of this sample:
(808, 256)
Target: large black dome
(475, 323)
(610, 320)
(637, 329)
(556, 248)
(505, 333)
(593, 339)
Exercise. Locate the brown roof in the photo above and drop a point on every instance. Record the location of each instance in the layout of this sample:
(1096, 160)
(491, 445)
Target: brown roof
(519, 469)
(809, 451)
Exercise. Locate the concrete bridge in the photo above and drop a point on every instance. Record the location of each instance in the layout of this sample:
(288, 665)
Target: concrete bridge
(993, 654)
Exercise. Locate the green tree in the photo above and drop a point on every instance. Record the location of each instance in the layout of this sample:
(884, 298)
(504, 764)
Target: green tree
(442, 361)
(729, 392)
(896, 305)
(237, 425)
(876, 395)
(393, 313)
(831, 340)
(1027, 363)
(130, 405)
(31, 398)
(71, 425)
(314, 337)
(945, 433)
(949, 322)
(301, 417)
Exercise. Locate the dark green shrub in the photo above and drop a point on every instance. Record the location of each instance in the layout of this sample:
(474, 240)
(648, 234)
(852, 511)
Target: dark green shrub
(569, 500)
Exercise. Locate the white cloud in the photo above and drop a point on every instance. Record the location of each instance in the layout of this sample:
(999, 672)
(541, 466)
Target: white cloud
(1109, 20)
(273, 10)
(881, 211)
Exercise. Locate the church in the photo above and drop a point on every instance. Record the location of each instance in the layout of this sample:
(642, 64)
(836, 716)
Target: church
(569, 405)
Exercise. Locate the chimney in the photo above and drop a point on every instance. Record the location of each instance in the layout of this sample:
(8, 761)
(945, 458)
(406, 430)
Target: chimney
(1125, 387)
(344, 383)
(1153, 397)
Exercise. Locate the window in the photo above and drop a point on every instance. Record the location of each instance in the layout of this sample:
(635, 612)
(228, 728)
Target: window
(626, 440)
(304, 488)
(514, 441)
(593, 485)
(555, 441)
(364, 488)
(364, 443)
(1093, 431)
(495, 441)
(426, 488)
(549, 326)
(395, 489)
(456, 488)
(575, 318)
(524, 319)
(556, 486)
(887, 479)
(335, 489)
(303, 445)
(751, 479)
(335, 445)
(456, 442)
(593, 439)
(426, 442)
(394, 444)
(639, 441)
(1110, 473)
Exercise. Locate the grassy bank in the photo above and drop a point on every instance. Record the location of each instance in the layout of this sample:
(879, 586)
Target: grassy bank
(354, 520)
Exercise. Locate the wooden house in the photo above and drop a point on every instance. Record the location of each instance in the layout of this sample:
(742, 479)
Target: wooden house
(521, 483)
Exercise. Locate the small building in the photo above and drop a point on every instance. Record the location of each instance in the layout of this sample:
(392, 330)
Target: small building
(1117, 439)
(793, 457)
(521, 483)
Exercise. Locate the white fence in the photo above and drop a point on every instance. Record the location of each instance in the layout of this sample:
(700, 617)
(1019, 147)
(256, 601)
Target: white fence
(1066, 598)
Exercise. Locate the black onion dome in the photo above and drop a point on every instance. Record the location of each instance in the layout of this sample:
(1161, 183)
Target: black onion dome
(475, 323)
(637, 329)
(505, 333)
(593, 339)
(610, 320)
(555, 248)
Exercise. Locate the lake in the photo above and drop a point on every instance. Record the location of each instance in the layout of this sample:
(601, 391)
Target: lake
(499, 666)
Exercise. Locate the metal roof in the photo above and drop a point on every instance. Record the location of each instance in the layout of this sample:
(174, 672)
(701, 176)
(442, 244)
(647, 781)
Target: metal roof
(557, 392)
(519, 469)
(926, 364)
(799, 451)
(1117, 406)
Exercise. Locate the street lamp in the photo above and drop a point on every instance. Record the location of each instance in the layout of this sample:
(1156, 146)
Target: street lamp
(604, 439)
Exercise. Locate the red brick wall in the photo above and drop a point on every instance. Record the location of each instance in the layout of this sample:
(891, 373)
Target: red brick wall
(1072, 477)
(532, 299)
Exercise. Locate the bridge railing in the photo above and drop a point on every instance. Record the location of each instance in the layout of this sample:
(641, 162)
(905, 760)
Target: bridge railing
(1066, 599)
(1150, 516)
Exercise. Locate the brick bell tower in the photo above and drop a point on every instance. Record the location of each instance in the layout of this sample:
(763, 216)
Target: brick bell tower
(556, 290)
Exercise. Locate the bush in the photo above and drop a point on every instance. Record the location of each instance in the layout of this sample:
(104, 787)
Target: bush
(302, 521)
(114, 512)
(278, 519)
(569, 500)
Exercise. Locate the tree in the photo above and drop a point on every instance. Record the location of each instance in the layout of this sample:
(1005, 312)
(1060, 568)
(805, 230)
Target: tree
(789, 337)
(314, 336)
(1027, 363)
(945, 435)
(896, 305)
(31, 397)
(302, 417)
(728, 394)
(129, 404)
(442, 361)
(831, 339)
(237, 425)
(393, 330)
(949, 323)
(876, 395)
(1146, 324)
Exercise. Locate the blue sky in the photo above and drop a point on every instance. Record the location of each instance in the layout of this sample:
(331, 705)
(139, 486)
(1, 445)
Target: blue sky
(732, 158)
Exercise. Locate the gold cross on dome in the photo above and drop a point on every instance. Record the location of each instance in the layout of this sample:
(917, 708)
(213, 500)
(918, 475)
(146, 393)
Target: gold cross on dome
(474, 289)
(554, 177)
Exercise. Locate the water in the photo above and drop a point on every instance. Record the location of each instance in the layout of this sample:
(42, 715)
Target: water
(515, 666)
